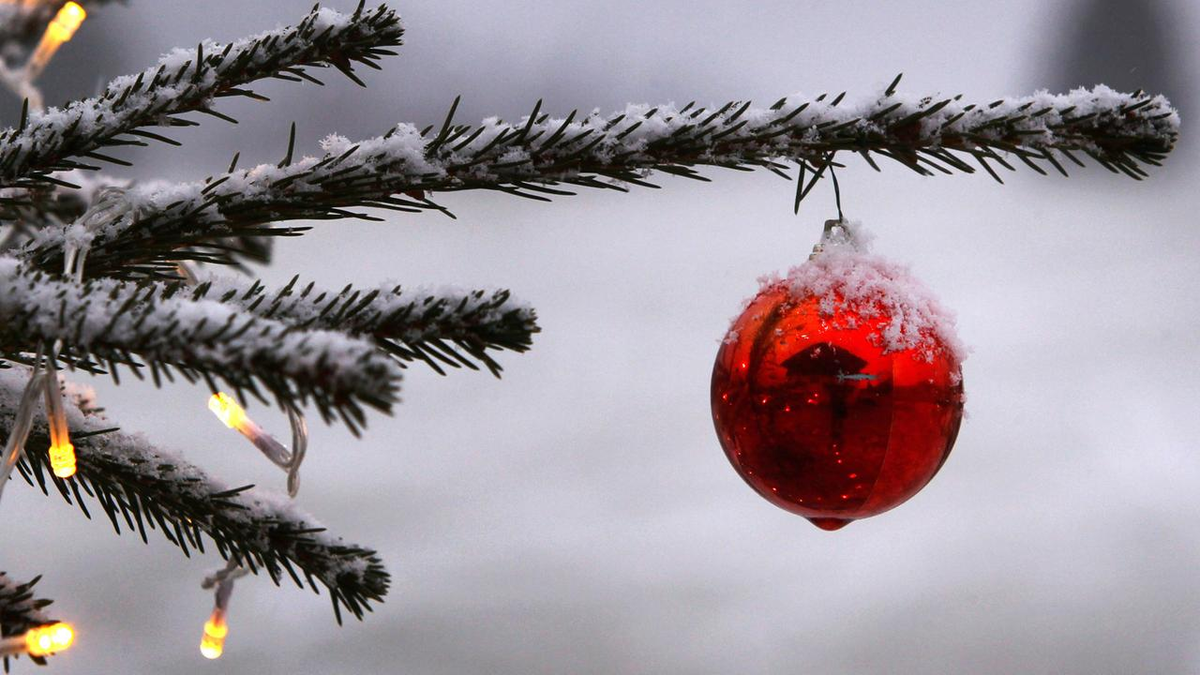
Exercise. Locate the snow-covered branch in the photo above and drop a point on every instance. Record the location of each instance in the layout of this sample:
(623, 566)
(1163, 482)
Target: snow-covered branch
(395, 171)
(447, 326)
(186, 81)
(111, 321)
(144, 487)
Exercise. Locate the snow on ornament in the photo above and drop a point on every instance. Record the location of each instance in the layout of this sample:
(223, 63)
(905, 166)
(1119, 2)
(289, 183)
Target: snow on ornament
(837, 394)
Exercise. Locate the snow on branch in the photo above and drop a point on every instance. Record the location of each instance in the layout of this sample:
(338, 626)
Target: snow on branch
(20, 610)
(447, 326)
(395, 171)
(122, 323)
(28, 211)
(144, 488)
(186, 81)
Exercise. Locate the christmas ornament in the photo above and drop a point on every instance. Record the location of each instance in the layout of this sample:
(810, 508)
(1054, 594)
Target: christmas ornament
(837, 393)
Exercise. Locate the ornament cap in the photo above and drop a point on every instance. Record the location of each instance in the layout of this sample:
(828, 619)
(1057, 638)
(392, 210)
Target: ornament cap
(836, 233)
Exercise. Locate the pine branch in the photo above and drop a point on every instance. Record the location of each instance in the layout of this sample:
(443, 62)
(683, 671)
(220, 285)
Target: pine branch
(186, 81)
(28, 211)
(114, 323)
(20, 610)
(447, 327)
(48, 205)
(395, 171)
(144, 488)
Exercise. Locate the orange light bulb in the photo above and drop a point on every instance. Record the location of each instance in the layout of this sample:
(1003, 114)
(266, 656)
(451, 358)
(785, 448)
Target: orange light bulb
(233, 416)
(212, 644)
(46, 640)
(66, 22)
(227, 410)
(61, 29)
(62, 459)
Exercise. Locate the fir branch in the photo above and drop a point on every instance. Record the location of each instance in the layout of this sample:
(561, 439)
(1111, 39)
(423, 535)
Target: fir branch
(48, 205)
(444, 327)
(121, 323)
(28, 211)
(186, 81)
(20, 610)
(143, 488)
(395, 171)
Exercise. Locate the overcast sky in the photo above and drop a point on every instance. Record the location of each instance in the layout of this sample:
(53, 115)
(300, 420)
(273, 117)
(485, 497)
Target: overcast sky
(579, 516)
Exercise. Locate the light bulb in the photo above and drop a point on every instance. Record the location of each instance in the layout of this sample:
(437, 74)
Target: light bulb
(45, 640)
(233, 416)
(62, 459)
(227, 410)
(212, 644)
(62, 452)
(66, 22)
(60, 30)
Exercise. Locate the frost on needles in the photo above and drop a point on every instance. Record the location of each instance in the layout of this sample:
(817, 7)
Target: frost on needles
(532, 157)
(142, 487)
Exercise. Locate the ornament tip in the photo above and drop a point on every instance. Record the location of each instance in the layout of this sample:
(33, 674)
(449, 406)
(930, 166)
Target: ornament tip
(831, 524)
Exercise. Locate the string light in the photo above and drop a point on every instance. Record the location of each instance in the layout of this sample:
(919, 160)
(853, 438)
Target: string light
(40, 641)
(60, 30)
(228, 411)
(234, 416)
(212, 644)
(47, 640)
(14, 447)
(62, 453)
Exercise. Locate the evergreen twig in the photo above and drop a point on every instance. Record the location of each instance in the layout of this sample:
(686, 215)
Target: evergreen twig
(446, 328)
(141, 488)
(109, 323)
(20, 609)
(529, 158)
(189, 81)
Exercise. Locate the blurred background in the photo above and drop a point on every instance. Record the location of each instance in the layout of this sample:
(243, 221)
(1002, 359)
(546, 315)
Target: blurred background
(579, 516)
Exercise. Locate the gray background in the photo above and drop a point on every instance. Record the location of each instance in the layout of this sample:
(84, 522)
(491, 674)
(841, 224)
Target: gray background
(579, 515)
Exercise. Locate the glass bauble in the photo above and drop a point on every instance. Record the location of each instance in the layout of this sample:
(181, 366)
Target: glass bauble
(821, 412)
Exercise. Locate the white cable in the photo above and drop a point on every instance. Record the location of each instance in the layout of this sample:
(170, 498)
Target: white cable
(299, 448)
(22, 421)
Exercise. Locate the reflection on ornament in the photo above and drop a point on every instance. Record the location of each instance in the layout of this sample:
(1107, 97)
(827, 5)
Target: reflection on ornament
(837, 394)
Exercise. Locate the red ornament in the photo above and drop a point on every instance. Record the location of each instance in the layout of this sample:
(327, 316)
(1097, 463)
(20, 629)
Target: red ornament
(837, 393)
